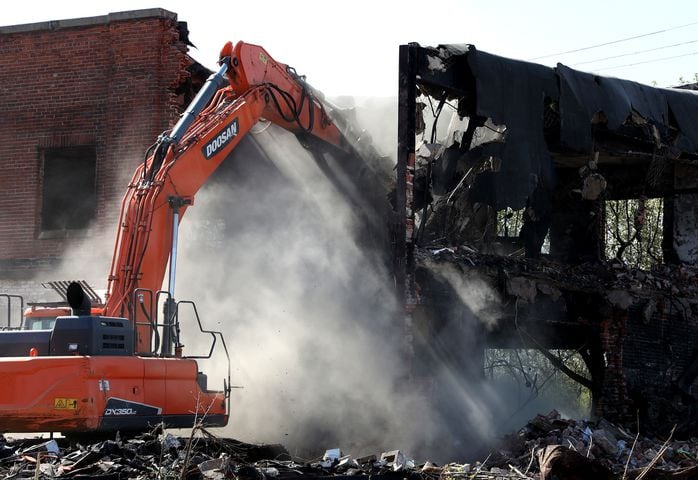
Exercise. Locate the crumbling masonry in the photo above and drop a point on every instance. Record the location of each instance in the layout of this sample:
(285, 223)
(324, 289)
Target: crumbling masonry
(556, 144)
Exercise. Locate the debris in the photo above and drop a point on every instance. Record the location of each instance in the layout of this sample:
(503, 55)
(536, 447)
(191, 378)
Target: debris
(523, 288)
(566, 449)
(169, 441)
(620, 299)
(346, 462)
(213, 464)
(441, 250)
(331, 457)
(571, 449)
(394, 459)
(594, 185)
(271, 472)
(558, 462)
(51, 447)
(606, 442)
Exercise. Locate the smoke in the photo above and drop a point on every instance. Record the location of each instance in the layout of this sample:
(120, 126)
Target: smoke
(86, 257)
(449, 348)
(273, 256)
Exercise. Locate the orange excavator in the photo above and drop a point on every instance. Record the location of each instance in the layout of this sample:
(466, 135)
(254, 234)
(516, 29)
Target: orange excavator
(122, 367)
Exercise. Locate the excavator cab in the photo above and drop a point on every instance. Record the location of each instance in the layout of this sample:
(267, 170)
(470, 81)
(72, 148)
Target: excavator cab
(84, 373)
(15, 307)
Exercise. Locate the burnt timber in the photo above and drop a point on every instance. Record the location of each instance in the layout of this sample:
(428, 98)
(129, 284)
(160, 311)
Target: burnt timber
(556, 143)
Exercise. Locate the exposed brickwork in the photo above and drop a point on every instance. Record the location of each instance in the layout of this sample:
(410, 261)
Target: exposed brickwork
(110, 83)
(661, 342)
(612, 402)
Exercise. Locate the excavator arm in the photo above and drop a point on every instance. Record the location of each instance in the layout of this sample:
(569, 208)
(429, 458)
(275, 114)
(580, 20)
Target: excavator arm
(87, 373)
(162, 188)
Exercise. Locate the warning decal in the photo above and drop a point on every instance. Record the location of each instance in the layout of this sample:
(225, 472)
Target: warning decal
(65, 403)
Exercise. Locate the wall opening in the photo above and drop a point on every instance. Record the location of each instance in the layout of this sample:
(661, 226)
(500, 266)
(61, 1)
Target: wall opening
(68, 188)
(634, 231)
(509, 224)
(529, 384)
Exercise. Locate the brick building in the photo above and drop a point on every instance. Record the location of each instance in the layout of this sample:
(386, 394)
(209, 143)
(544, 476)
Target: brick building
(80, 102)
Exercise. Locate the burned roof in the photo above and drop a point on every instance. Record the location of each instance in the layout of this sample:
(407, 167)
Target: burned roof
(548, 112)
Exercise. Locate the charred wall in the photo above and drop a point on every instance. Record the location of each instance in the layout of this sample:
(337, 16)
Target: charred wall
(482, 137)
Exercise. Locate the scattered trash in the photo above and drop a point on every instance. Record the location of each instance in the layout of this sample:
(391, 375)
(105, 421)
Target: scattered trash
(394, 459)
(571, 449)
(346, 462)
(50, 447)
(547, 447)
(169, 441)
(331, 457)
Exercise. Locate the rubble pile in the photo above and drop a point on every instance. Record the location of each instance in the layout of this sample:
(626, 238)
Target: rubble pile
(160, 455)
(599, 276)
(566, 448)
(547, 448)
(151, 455)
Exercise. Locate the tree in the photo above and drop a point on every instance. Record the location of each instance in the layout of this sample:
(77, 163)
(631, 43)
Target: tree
(634, 231)
(537, 375)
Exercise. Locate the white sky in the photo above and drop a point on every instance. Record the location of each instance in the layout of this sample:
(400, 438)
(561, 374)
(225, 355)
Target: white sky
(351, 48)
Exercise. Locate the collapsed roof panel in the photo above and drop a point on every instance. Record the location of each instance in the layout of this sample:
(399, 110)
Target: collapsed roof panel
(684, 106)
(512, 93)
(550, 110)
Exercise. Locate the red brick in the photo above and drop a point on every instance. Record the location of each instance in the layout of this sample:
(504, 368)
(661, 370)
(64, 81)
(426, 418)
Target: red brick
(110, 85)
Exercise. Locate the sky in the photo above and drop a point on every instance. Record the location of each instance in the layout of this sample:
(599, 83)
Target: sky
(351, 48)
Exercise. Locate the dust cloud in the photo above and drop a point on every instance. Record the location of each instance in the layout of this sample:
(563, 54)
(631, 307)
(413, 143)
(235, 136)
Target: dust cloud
(87, 257)
(271, 255)
(278, 257)
(88, 252)
(378, 118)
(482, 300)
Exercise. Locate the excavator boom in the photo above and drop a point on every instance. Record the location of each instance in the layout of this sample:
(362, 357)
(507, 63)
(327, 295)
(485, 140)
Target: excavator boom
(165, 185)
(125, 369)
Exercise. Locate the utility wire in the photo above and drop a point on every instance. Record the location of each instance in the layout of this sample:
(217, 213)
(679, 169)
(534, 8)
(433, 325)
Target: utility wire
(647, 61)
(615, 41)
(636, 53)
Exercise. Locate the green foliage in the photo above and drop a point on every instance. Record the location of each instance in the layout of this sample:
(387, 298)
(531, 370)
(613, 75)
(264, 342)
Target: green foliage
(509, 222)
(633, 231)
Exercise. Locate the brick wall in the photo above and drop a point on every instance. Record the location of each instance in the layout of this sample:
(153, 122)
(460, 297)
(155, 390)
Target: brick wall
(104, 81)
(613, 401)
(661, 340)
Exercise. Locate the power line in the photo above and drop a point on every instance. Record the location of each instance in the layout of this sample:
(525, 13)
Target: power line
(647, 61)
(635, 53)
(615, 41)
